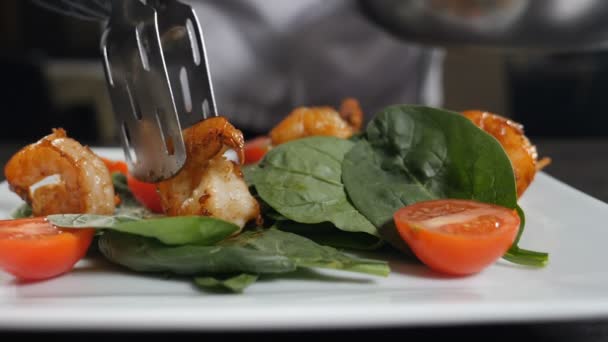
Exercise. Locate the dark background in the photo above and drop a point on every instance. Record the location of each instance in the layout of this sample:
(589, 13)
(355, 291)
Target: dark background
(52, 77)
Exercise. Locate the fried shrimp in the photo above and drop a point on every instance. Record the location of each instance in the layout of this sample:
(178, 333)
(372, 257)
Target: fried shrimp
(84, 185)
(310, 121)
(350, 110)
(521, 152)
(211, 184)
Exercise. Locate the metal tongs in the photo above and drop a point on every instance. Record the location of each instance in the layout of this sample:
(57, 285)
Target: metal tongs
(157, 74)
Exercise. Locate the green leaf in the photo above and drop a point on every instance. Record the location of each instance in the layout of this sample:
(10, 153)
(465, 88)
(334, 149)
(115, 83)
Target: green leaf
(328, 235)
(180, 230)
(121, 188)
(522, 256)
(268, 212)
(305, 252)
(301, 180)
(415, 153)
(89, 220)
(23, 211)
(150, 255)
(135, 211)
(522, 224)
(255, 251)
(129, 206)
(248, 171)
(388, 232)
(357, 136)
(527, 258)
(233, 283)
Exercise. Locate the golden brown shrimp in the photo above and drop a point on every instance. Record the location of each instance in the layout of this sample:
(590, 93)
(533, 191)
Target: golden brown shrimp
(521, 152)
(85, 185)
(210, 184)
(350, 110)
(309, 121)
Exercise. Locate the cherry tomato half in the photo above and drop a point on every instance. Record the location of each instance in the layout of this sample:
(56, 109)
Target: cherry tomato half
(144, 193)
(255, 149)
(457, 237)
(116, 166)
(34, 249)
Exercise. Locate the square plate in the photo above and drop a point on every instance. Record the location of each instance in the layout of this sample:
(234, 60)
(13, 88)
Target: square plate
(560, 220)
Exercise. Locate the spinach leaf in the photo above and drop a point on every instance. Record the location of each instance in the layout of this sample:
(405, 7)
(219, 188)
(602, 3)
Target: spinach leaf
(268, 212)
(522, 224)
(255, 251)
(327, 234)
(357, 136)
(121, 188)
(234, 283)
(301, 180)
(179, 230)
(388, 232)
(305, 252)
(248, 171)
(150, 255)
(89, 220)
(523, 256)
(415, 153)
(23, 211)
(129, 206)
(134, 211)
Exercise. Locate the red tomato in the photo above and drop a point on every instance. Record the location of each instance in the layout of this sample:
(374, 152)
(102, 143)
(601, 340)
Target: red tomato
(256, 148)
(34, 249)
(457, 237)
(116, 166)
(143, 192)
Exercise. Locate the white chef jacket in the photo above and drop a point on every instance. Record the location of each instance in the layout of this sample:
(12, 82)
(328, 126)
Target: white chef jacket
(268, 56)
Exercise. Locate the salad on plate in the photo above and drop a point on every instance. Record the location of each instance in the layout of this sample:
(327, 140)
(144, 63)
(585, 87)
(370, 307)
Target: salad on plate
(318, 191)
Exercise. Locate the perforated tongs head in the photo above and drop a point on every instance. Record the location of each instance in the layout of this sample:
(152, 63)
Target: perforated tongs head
(159, 82)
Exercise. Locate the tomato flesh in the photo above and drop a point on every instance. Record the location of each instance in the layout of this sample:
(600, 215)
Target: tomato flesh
(34, 249)
(457, 237)
(144, 193)
(116, 166)
(256, 149)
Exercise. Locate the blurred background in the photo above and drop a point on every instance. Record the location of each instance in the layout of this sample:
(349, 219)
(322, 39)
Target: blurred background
(52, 77)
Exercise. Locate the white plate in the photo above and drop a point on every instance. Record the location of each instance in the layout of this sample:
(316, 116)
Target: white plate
(563, 221)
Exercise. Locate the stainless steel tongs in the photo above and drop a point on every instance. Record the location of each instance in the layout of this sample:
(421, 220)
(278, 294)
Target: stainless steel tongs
(157, 74)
